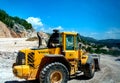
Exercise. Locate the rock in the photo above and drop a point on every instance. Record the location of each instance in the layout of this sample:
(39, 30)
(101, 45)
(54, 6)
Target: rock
(4, 31)
(17, 31)
(45, 38)
(14, 35)
(18, 28)
(31, 33)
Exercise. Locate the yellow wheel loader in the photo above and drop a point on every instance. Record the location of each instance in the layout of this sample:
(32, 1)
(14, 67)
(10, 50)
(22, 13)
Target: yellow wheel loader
(62, 58)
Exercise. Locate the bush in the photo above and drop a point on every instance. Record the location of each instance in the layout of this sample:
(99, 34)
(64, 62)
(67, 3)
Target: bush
(89, 49)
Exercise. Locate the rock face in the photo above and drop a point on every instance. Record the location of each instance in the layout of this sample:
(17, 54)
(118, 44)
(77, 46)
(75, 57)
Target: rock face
(45, 38)
(4, 31)
(17, 31)
(14, 35)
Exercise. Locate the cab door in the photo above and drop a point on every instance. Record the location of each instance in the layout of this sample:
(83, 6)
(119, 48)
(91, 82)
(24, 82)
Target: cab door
(71, 52)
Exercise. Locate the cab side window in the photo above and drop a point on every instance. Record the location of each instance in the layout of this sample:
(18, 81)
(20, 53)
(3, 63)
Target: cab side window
(69, 42)
(77, 42)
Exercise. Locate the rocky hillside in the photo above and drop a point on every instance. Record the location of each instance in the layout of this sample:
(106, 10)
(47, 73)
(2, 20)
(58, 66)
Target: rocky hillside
(107, 46)
(6, 32)
(14, 26)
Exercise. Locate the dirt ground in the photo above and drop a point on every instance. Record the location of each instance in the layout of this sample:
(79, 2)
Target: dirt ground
(109, 73)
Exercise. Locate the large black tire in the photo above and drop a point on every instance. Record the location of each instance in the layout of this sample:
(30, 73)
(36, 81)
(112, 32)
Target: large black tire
(90, 69)
(54, 73)
(97, 61)
(97, 64)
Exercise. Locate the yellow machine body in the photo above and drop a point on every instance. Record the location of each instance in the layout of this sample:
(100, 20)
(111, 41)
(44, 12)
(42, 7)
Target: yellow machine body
(33, 60)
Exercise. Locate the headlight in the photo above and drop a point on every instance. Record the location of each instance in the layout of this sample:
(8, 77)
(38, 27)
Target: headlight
(23, 61)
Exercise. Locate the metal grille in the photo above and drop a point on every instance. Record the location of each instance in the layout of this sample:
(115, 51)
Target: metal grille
(31, 59)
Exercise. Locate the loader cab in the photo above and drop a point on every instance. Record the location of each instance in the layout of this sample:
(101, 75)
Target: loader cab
(70, 41)
(65, 40)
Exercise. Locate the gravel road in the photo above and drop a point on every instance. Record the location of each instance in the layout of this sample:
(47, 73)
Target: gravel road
(110, 66)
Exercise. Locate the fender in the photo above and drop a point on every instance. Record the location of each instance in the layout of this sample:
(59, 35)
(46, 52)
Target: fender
(49, 58)
(89, 60)
(57, 58)
(96, 59)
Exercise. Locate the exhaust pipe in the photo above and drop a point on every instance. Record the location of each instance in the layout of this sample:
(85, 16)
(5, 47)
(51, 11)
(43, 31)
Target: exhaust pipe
(40, 39)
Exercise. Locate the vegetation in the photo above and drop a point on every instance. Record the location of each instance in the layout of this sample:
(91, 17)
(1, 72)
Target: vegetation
(101, 48)
(9, 20)
(103, 51)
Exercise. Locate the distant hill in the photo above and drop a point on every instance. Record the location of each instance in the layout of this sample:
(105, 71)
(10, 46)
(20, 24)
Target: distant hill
(110, 42)
(106, 46)
(107, 42)
(88, 39)
(10, 21)
(13, 26)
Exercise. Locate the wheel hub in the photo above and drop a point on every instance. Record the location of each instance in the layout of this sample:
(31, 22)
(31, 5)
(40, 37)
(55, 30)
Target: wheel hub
(56, 77)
